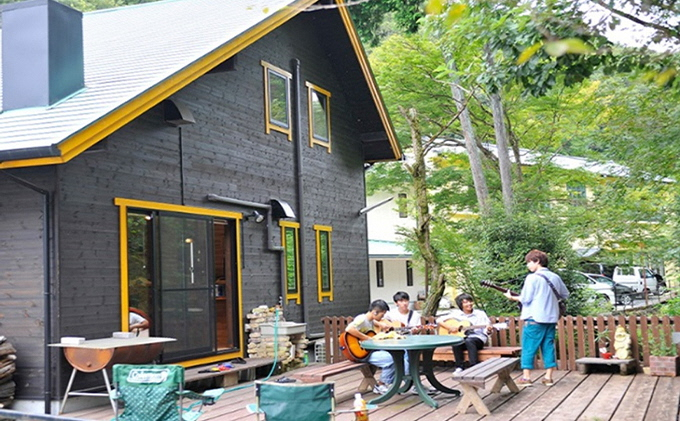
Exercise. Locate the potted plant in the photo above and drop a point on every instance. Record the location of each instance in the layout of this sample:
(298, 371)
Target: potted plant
(602, 340)
(663, 359)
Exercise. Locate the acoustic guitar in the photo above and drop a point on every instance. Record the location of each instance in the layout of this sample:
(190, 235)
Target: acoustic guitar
(350, 346)
(400, 328)
(490, 284)
(461, 327)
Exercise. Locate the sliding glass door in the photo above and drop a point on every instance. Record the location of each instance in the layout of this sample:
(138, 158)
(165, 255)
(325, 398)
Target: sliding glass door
(186, 287)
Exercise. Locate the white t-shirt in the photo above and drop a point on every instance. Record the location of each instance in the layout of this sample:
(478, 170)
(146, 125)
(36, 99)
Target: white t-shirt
(136, 318)
(362, 324)
(406, 321)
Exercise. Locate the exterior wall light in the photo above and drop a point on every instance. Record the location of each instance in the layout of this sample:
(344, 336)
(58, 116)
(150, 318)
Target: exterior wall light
(256, 216)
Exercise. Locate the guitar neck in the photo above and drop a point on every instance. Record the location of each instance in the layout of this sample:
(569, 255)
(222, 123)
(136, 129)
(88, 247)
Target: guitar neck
(497, 288)
(473, 327)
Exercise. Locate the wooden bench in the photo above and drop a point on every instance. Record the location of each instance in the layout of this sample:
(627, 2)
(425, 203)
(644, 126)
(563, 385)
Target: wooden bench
(477, 377)
(319, 373)
(228, 377)
(486, 353)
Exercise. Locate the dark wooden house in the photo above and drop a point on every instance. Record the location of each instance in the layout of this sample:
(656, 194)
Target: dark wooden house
(193, 159)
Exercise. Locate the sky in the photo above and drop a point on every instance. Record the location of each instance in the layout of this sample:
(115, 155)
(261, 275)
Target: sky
(629, 33)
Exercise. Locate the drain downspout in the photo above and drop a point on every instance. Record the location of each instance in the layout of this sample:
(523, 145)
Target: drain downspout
(47, 293)
(297, 136)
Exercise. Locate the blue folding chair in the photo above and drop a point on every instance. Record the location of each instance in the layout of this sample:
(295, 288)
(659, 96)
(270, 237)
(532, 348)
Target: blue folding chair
(156, 393)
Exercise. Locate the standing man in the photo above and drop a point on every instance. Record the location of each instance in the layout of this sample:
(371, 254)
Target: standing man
(540, 312)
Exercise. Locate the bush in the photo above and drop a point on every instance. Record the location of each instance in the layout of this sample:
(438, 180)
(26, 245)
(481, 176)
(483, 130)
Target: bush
(671, 307)
(503, 241)
(662, 347)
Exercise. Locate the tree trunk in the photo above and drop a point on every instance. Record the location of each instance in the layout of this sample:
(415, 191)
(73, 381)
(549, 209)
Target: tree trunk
(481, 189)
(418, 171)
(504, 165)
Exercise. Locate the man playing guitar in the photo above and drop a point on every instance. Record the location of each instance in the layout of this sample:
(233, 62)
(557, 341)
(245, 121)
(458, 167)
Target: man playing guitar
(402, 314)
(475, 339)
(370, 322)
(402, 317)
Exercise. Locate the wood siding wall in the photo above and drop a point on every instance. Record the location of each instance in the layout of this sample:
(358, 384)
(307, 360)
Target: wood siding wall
(226, 153)
(22, 275)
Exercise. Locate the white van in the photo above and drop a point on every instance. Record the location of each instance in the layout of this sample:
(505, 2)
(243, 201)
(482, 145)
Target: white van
(637, 277)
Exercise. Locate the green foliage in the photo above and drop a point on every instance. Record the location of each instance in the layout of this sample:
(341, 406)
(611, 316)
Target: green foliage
(405, 68)
(369, 16)
(503, 31)
(662, 347)
(602, 337)
(503, 241)
(671, 307)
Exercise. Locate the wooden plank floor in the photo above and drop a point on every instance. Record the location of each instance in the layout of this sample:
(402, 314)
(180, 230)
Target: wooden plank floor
(598, 396)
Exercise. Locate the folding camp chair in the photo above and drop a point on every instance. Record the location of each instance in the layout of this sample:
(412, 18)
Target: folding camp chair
(290, 401)
(156, 393)
(299, 402)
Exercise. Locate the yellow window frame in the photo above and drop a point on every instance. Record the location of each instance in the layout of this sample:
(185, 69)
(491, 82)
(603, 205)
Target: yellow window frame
(269, 123)
(313, 140)
(322, 293)
(295, 226)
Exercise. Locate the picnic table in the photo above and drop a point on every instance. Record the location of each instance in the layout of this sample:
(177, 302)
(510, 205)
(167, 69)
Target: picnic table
(416, 346)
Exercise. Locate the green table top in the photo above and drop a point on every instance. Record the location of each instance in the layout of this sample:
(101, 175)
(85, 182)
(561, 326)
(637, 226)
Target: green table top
(412, 342)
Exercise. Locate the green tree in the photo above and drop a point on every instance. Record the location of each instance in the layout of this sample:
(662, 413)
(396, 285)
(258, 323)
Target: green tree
(369, 16)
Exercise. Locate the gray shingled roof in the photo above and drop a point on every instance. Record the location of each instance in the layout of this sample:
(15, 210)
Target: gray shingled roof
(128, 51)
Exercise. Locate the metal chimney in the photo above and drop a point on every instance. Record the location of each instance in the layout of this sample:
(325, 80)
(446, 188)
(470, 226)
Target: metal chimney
(42, 53)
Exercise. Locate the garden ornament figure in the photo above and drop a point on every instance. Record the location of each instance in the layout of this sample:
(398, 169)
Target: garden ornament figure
(622, 343)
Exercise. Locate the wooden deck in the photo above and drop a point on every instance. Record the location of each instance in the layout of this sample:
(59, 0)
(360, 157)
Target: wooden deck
(575, 396)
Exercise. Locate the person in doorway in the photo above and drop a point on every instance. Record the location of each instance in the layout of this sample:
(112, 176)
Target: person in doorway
(139, 321)
(540, 297)
(471, 322)
(372, 321)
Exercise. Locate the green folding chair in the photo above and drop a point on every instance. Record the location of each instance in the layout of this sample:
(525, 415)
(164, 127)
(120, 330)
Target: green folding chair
(290, 401)
(298, 402)
(156, 393)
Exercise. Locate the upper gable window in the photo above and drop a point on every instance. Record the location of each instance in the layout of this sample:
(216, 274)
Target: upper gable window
(277, 99)
(319, 116)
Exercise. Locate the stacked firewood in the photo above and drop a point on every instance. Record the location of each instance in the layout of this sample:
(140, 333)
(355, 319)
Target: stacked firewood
(7, 367)
(258, 347)
(291, 348)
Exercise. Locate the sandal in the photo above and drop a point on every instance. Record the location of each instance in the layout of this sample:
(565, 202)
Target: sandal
(523, 382)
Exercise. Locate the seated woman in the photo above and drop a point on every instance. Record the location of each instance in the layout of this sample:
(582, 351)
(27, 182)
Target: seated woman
(139, 321)
(475, 324)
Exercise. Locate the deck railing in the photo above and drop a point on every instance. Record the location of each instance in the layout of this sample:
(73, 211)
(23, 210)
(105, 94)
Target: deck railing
(576, 336)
